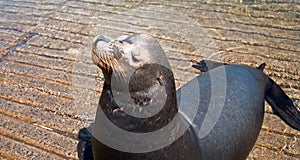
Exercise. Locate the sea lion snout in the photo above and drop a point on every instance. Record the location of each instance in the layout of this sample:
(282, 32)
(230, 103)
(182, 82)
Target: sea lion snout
(100, 51)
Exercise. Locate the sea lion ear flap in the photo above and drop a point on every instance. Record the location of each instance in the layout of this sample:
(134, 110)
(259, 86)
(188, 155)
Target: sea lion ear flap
(261, 67)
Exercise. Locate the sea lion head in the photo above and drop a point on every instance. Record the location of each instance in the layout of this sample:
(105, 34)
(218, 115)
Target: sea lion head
(126, 53)
(140, 79)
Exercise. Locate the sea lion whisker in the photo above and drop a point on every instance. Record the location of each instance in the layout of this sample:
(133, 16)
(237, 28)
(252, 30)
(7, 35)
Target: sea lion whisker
(105, 57)
(121, 74)
(109, 61)
(119, 71)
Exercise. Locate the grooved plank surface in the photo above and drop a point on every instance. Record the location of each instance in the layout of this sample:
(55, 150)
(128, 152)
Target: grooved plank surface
(49, 87)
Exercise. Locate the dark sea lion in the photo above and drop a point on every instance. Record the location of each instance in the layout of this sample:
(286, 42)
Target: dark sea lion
(223, 107)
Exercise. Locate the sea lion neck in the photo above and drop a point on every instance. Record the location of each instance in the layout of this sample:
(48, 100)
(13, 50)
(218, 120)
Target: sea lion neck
(149, 75)
(150, 87)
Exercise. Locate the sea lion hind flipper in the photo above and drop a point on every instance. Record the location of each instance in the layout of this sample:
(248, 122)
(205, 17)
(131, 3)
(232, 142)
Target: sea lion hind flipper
(282, 105)
(206, 65)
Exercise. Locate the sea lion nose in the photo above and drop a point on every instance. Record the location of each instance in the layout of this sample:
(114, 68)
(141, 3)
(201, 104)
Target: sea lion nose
(101, 43)
(100, 47)
(101, 38)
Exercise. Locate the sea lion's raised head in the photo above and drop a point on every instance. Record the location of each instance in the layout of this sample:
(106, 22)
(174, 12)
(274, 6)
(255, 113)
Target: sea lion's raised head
(140, 81)
(126, 53)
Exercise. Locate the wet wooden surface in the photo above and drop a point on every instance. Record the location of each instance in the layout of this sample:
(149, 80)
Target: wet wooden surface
(49, 87)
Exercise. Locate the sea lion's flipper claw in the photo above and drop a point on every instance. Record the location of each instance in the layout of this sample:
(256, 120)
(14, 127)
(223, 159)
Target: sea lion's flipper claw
(206, 65)
(282, 105)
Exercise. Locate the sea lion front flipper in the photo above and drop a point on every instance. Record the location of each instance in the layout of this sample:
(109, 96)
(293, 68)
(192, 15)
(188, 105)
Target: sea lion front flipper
(84, 146)
(206, 65)
(282, 105)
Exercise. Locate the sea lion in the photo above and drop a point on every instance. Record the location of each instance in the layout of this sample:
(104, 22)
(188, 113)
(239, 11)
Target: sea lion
(223, 108)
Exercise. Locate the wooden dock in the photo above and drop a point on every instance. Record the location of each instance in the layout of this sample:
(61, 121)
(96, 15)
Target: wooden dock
(49, 87)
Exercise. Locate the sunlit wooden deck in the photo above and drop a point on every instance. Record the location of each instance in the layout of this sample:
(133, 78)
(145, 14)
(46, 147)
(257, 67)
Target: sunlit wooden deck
(49, 87)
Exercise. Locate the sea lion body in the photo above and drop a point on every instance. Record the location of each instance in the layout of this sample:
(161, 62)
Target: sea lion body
(182, 149)
(235, 131)
(223, 109)
(238, 125)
